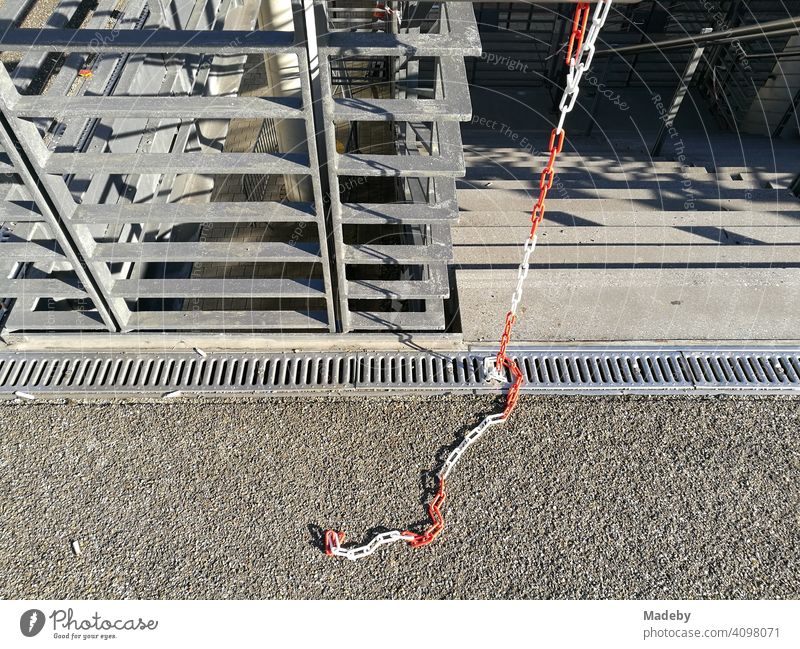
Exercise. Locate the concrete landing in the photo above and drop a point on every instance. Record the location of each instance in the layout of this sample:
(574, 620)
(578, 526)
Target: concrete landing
(631, 250)
(634, 304)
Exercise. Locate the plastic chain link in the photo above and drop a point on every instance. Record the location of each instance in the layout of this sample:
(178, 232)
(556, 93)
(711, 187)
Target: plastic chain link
(580, 52)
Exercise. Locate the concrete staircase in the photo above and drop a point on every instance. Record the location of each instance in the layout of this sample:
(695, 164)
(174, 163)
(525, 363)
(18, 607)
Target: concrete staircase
(633, 248)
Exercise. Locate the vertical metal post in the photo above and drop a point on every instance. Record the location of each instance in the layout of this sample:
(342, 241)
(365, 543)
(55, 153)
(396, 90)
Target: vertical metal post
(308, 15)
(392, 27)
(597, 94)
(677, 98)
(326, 136)
(645, 34)
(559, 23)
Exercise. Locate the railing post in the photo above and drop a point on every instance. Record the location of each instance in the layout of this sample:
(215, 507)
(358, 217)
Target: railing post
(308, 17)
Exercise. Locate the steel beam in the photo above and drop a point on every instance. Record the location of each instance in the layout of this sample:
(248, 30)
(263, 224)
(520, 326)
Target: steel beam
(159, 107)
(150, 41)
(785, 26)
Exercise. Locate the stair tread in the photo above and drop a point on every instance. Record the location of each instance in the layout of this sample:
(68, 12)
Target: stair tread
(591, 304)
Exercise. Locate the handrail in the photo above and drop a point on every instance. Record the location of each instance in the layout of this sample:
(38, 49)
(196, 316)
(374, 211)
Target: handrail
(783, 26)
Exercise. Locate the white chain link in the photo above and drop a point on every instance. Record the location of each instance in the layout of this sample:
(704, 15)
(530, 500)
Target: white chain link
(522, 273)
(578, 65)
(361, 551)
(469, 439)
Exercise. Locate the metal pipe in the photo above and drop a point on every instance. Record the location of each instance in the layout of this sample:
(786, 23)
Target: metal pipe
(596, 100)
(785, 54)
(751, 32)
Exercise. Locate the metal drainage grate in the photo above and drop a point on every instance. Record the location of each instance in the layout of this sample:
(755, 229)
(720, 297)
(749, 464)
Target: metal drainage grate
(579, 371)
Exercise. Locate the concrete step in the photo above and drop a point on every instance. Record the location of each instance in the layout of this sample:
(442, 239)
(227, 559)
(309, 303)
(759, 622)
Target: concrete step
(654, 254)
(706, 185)
(602, 247)
(495, 168)
(500, 135)
(509, 169)
(622, 186)
(756, 178)
(736, 150)
(634, 200)
(538, 145)
(640, 304)
(626, 235)
(491, 155)
(560, 219)
(499, 170)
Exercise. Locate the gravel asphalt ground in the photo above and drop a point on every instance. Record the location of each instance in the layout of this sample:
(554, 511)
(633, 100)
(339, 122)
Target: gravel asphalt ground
(578, 497)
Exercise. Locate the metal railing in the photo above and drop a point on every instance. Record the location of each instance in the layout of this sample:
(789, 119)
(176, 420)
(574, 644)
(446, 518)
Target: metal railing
(111, 170)
(115, 214)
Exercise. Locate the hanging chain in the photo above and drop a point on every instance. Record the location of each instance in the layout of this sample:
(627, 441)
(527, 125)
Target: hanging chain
(580, 52)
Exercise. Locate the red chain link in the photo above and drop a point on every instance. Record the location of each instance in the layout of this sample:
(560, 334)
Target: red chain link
(504, 338)
(331, 537)
(513, 392)
(578, 30)
(437, 520)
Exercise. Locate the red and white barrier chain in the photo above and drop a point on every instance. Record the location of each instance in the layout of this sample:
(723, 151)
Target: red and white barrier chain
(580, 52)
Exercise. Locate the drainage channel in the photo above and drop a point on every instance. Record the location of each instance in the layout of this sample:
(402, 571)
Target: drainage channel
(585, 371)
